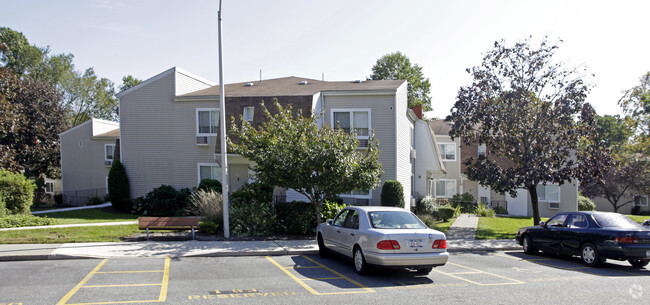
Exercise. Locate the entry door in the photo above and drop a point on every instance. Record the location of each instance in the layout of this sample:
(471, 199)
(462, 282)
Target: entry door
(518, 206)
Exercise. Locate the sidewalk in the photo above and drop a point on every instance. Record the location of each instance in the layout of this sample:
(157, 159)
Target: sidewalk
(460, 238)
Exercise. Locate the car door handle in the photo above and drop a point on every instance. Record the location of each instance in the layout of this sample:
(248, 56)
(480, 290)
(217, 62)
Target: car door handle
(352, 234)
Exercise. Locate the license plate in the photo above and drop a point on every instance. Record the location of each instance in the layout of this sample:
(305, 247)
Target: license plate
(415, 243)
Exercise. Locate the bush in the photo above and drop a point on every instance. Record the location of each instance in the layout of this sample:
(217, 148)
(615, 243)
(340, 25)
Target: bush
(58, 199)
(636, 210)
(94, 200)
(330, 209)
(484, 211)
(164, 200)
(585, 204)
(392, 194)
(446, 212)
(428, 219)
(3, 206)
(251, 210)
(209, 227)
(207, 203)
(465, 202)
(16, 221)
(295, 217)
(210, 184)
(501, 210)
(119, 190)
(18, 192)
(426, 205)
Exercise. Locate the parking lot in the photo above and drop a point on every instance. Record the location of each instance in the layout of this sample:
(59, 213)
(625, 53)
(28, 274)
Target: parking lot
(487, 277)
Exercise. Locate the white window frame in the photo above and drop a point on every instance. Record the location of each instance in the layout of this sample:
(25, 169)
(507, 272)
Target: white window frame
(435, 188)
(51, 188)
(559, 195)
(481, 150)
(352, 195)
(351, 111)
(106, 155)
(196, 123)
(644, 203)
(453, 144)
(198, 171)
(245, 115)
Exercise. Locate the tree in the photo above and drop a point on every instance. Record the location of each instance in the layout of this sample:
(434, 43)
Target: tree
(291, 151)
(119, 191)
(29, 139)
(398, 66)
(89, 96)
(636, 107)
(612, 132)
(128, 82)
(531, 114)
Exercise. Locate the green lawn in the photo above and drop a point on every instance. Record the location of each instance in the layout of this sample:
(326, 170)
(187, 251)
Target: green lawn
(88, 216)
(639, 218)
(68, 235)
(501, 227)
(443, 226)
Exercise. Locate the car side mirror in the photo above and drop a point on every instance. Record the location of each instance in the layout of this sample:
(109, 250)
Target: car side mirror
(542, 224)
(329, 222)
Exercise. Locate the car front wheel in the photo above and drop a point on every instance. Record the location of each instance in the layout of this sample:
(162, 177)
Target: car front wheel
(528, 245)
(639, 263)
(322, 250)
(589, 255)
(360, 264)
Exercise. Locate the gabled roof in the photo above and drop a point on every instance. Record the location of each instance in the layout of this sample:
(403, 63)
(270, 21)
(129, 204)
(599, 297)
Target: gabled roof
(440, 127)
(295, 86)
(113, 134)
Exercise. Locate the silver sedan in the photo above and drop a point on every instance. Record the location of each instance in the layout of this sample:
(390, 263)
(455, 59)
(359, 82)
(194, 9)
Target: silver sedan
(383, 237)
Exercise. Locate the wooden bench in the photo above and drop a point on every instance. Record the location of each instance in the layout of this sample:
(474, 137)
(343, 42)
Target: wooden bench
(168, 223)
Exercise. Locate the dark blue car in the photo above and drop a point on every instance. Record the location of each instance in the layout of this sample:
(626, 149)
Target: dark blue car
(593, 236)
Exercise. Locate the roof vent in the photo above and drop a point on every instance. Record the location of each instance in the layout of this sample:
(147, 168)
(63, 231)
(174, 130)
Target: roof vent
(250, 85)
(358, 81)
(303, 82)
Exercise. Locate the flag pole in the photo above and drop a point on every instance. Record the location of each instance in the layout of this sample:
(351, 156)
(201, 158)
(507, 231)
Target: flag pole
(224, 151)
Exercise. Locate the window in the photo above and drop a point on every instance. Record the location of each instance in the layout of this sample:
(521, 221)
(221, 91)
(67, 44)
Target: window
(641, 201)
(557, 221)
(364, 194)
(109, 152)
(249, 112)
(209, 171)
(207, 121)
(339, 221)
(353, 121)
(49, 187)
(577, 221)
(548, 193)
(481, 150)
(448, 151)
(445, 188)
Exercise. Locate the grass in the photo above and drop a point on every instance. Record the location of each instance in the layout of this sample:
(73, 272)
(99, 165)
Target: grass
(443, 226)
(639, 218)
(68, 235)
(88, 216)
(501, 227)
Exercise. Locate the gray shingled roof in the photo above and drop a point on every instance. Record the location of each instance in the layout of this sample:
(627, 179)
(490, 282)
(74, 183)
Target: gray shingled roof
(291, 86)
(440, 127)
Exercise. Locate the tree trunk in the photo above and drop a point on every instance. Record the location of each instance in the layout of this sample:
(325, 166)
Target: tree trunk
(317, 211)
(532, 190)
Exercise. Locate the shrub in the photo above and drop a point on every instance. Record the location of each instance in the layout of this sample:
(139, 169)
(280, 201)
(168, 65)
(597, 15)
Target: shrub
(16, 221)
(330, 209)
(428, 219)
(636, 210)
(484, 211)
(207, 203)
(3, 206)
(465, 202)
(585, 204)
(501, 210)
(118, 187)
(209, 227)
(164, 200)
(295, 217)
(426, 205)
(446, 212)
(210, 184)
(251, 210)
(18, 192)
(392, 194)
(94, 200)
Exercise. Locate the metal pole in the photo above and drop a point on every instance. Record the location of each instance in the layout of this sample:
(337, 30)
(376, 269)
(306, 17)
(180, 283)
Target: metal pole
(224, 160)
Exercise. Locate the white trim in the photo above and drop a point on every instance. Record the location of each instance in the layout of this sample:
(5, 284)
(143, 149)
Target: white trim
(165, 73)
(552, 207)
(642, 197)
(369, 196)
(351, 111)
(196, 122)
(50, 183)
(198, 170)
(442, 155)
(559, 194)
(105, 156)
(435, 188)
(359, 92)
(244, 112)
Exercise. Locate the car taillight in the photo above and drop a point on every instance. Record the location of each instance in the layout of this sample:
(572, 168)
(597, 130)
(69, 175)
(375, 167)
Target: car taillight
(440, 244)
(627, 240)
(388, 245)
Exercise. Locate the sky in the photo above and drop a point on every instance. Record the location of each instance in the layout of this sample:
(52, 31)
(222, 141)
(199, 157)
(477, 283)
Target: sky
(338, 40)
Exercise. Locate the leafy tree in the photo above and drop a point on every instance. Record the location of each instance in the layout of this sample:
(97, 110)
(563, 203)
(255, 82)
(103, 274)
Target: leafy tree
(612, 131)
(291, 151)
(636, 107)
(398, 66)
(119, 191)
(88, 96)
(29, 138)
(128, 82)
(532, 115)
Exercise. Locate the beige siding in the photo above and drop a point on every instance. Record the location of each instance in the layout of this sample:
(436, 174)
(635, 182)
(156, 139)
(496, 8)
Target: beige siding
(403, 129)
(158, 137)
(382, 120)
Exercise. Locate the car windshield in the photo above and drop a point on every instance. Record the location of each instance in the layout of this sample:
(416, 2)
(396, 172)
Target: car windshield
(395, 220)
(615, 220)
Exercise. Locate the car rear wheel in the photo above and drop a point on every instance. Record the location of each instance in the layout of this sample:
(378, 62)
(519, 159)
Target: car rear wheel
(322, 250)
(528, 245)
(589, 255)
(360, 264)
(425, 270)
(639, 263)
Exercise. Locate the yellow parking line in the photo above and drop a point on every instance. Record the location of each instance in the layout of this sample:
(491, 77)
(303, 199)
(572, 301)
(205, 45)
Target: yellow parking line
(295, 278)
(123, 285)
(476, 271)
(305, 267)
(83, 282)
(146, 271)
(163, 290)
(323, 278)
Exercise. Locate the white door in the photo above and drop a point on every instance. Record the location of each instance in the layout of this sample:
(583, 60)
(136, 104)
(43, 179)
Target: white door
(518, 206)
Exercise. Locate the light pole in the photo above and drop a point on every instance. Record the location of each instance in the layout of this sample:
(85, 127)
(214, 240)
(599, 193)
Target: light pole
(224, 151)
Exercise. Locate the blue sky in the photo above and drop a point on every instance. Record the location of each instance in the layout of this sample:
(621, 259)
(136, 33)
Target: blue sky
(340, 39)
